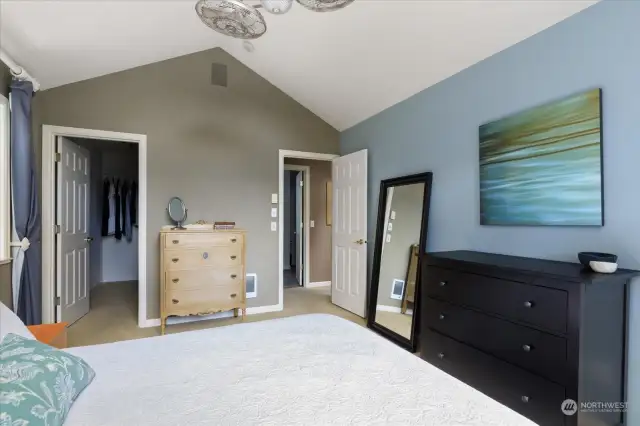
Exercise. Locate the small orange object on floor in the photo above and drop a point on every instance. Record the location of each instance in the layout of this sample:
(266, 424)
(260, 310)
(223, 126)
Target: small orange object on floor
(51, 334)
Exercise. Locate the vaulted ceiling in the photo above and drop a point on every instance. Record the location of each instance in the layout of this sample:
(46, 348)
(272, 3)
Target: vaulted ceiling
(344, 66)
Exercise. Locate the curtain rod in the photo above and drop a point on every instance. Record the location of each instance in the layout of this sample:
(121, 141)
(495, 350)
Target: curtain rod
(17, 71)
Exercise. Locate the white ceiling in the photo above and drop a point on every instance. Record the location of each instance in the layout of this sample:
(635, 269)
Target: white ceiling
(344, 66)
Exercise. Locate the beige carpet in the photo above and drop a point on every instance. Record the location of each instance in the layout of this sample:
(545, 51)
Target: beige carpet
(114, 314)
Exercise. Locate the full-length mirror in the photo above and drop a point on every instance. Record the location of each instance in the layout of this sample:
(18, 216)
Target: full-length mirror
(400, 240)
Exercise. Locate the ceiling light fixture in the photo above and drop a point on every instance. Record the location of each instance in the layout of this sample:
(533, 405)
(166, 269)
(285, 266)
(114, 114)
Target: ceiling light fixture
(237, 19)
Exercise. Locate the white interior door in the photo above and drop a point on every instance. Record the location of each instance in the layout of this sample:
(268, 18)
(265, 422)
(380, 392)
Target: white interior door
(72, 243)
(349, 265)
(299, 228)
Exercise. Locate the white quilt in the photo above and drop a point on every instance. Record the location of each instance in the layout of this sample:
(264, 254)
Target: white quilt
(304, 370)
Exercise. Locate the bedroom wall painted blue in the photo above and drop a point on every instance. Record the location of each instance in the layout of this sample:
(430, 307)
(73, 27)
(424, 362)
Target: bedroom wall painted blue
(437, 130)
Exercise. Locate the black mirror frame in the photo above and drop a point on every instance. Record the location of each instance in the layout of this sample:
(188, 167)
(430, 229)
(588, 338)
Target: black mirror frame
(411, 343)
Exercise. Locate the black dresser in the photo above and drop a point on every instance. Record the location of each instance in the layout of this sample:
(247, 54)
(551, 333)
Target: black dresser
(529, 333)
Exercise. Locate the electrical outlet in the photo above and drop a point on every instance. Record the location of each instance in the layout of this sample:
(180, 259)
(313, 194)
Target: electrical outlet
(312, 224)
(388, 238)
(390, 226)
(393, 215)
(274, 212)
(274, 198)
(274, 226)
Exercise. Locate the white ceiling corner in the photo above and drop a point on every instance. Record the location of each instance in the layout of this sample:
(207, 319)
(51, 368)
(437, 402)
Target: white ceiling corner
(344, 66)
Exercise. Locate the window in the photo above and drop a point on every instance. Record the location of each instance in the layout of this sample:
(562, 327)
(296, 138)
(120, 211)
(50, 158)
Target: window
(5, 188)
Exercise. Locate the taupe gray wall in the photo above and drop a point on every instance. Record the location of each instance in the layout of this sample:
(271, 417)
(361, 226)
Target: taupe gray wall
(216, 148)
(320, 235)
(5, 80)
(5, 285)
(407, 204)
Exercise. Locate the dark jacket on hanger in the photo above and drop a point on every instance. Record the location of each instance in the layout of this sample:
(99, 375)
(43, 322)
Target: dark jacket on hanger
(106, 186)
(124, 190)
(117, 212)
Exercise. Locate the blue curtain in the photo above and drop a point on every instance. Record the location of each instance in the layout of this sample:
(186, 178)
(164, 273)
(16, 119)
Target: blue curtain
(26, 213)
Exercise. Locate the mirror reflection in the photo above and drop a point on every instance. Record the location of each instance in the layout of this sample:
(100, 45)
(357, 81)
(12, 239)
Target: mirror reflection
(399, 258)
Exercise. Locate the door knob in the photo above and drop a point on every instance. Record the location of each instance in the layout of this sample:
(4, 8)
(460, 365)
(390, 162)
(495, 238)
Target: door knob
(360, 241)
(88, 239)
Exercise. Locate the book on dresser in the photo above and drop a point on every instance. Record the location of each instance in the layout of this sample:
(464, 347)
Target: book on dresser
(202, 272)
(529, 333)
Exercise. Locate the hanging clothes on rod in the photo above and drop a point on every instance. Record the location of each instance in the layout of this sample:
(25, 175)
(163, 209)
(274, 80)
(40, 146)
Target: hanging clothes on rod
(119, 208)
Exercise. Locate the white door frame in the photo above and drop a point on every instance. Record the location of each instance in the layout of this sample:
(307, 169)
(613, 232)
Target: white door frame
(283, 153)
(49, 134)
(306, 217)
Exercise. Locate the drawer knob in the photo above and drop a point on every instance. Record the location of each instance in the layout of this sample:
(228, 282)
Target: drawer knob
(441, 355)
(526, 348)
(175, 301)
(175, 280)
(205, 255)
(528, 304)
(234, 276)
(233, 240)
(524, 398)
(233, 295)
(441, 316)
(175, 260)
(233, 257)
(443, 283)
(176, 241)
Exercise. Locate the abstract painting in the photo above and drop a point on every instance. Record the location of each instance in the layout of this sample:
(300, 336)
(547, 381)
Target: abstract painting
(543, 166)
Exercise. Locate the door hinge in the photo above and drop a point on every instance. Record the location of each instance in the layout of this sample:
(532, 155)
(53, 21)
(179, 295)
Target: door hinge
(301, 183)
(57, 157)
(57, 300)
(56, 229)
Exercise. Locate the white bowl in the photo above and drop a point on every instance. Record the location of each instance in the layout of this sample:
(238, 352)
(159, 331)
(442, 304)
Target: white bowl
(603, 267)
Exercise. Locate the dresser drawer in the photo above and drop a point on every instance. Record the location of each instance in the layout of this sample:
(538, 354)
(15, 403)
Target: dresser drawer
(531, 349)
(193, 240)
(526, 393)
(206, 277)
(539, 306)
(204, 300)
(209, 257)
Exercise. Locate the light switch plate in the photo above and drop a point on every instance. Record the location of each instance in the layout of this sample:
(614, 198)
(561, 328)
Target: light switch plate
(390, 227)
(274, 212)
(393, 215)
(274, 226)
(312, 224)
(388, 238)
(274, 198)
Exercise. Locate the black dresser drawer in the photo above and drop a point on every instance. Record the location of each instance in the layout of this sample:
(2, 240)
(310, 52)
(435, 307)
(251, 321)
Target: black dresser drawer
(534, 350)
(529, 395)
(539, 306)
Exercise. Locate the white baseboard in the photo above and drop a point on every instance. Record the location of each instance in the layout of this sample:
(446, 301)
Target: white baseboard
(155, 322)
(393, 309)
(319, 284)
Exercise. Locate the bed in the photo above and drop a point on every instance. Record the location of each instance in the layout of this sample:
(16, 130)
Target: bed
(304, 370)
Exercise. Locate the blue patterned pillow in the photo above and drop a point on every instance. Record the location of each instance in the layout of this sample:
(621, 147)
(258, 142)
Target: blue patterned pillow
(38, 383)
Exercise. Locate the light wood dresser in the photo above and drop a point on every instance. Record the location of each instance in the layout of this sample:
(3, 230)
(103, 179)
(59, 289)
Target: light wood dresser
(202, 272)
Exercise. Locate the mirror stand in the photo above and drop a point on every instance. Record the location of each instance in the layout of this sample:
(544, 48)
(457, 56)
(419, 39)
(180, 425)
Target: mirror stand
(401, 238)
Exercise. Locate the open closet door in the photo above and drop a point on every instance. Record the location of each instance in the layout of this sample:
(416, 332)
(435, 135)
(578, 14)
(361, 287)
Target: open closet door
(73, 240)
(349, 264)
